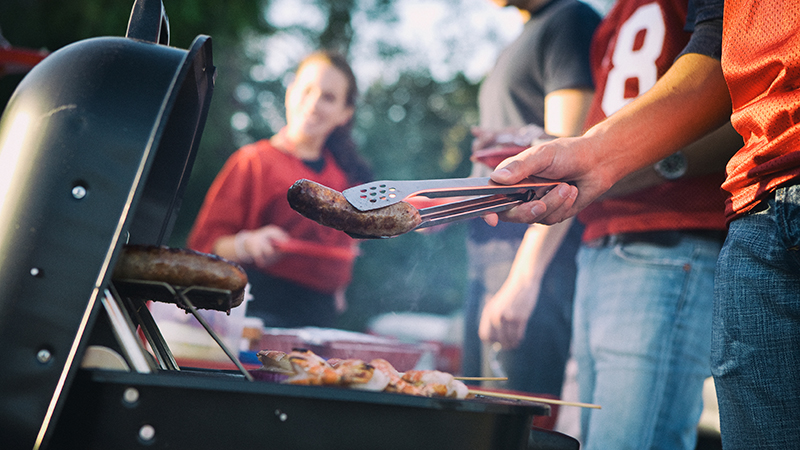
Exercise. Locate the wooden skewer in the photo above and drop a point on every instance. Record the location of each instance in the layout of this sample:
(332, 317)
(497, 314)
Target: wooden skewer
(482, 378)
(532, 399)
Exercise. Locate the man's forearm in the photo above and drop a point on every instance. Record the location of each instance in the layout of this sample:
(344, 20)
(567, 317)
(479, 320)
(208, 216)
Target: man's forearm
(707, 155)
(690, 100)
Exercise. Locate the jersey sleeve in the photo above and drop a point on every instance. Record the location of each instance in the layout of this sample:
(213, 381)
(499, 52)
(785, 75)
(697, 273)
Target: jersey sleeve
(707, 28)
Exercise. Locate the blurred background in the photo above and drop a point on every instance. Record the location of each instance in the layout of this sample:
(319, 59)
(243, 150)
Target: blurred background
(419, 64)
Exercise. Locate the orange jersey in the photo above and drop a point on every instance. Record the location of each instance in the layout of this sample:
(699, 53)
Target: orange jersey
(761, 63)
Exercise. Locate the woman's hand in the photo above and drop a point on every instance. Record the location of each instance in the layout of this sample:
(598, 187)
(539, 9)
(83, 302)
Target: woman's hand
(258, 246)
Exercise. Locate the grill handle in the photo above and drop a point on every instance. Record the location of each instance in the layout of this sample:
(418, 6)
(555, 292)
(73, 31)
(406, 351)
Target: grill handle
(149, 22)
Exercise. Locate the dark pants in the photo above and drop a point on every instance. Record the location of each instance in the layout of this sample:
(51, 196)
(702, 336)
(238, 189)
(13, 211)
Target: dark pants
(537, 365)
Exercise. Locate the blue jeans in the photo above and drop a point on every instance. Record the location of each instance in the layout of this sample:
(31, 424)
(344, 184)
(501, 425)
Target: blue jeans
(755, 350)
(641, 338)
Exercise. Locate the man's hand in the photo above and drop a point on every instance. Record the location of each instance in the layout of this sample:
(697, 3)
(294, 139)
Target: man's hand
(560, 159)
(505, 316)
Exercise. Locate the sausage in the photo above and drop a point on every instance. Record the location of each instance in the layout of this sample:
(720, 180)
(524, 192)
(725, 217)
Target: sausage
(329, 207)
(180, 267)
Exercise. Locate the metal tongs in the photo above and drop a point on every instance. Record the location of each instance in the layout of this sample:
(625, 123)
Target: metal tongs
(487, 196)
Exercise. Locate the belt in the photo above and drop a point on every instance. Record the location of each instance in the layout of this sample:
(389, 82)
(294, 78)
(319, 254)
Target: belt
(669, 238)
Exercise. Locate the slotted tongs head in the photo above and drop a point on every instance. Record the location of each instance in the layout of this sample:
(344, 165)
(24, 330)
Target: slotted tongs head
(473, 197)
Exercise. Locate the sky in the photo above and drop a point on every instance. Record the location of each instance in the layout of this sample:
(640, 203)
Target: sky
(446, 37)
(443, 36)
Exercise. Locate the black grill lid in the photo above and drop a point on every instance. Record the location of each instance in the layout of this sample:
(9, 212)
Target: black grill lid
(96, 146)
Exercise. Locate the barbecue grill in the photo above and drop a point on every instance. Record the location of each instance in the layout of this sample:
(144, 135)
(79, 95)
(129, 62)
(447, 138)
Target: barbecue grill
(96, 146)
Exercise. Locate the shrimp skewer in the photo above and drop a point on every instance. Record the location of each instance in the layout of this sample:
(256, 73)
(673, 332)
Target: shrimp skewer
(311, 369)
(396, 382)
(436, 383)
(357, 374)
(304, 367)
(275, 361)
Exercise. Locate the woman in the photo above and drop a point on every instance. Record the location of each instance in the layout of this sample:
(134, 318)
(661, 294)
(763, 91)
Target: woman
(246, 217)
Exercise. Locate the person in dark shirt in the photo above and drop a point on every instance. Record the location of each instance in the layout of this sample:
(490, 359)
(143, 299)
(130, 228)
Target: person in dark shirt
(520, 306)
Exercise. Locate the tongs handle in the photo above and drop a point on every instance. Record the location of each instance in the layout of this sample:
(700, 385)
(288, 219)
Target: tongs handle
(471, 208)
(379, 194)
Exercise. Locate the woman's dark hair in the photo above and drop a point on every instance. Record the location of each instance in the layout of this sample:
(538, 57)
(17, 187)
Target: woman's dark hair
(340, 142)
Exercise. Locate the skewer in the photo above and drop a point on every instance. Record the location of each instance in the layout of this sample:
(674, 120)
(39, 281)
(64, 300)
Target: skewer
(532, 399)
(481, 378)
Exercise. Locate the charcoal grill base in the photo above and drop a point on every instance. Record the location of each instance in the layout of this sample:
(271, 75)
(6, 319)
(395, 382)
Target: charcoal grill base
(195, 409)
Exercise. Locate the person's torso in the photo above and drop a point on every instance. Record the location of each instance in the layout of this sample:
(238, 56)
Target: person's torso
(633, 47)
(551, 53)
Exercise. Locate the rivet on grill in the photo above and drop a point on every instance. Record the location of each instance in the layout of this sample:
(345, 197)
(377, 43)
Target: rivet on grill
(79, 192)
(281, 415)
(35, 271)
(44, 355)
(147, 433)
(130, 396)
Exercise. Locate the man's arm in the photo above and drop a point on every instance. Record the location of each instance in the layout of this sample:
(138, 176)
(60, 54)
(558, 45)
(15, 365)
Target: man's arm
(565, 111)
(709, 154)
(505, 316)
(689, 101)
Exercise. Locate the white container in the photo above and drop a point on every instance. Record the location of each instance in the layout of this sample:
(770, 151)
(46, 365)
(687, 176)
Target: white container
(188, 339)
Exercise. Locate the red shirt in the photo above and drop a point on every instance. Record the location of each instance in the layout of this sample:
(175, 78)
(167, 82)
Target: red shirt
(761, 63)
(634, 46)
(250, 192)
